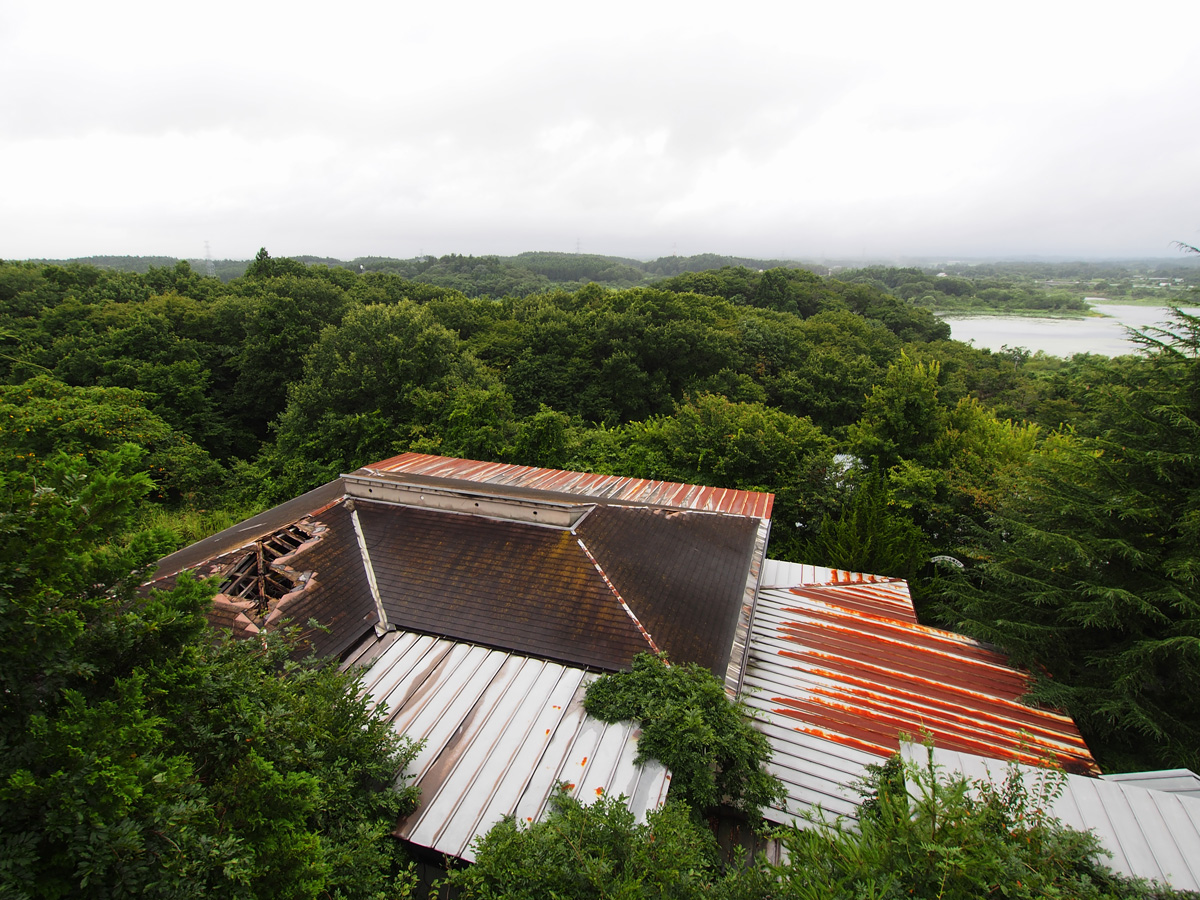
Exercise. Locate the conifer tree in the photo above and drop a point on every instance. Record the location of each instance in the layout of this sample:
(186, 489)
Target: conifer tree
(1090, 571)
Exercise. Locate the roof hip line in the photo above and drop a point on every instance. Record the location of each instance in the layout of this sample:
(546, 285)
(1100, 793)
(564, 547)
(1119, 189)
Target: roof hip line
(612, 587)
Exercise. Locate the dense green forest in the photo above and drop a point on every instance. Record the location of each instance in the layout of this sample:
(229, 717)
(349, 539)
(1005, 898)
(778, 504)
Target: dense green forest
(1021, 288)
(141, 410)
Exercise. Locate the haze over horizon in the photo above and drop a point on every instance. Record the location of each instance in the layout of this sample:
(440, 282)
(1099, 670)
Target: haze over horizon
(934, 130)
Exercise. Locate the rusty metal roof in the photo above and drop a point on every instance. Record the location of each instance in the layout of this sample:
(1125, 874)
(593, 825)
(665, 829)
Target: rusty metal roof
(1151, 834)
(682, 573)
(625, 580)
(582, 581)
(579, 485)
(872, 594)
(840, 669)
(501, 732)
(860, 677)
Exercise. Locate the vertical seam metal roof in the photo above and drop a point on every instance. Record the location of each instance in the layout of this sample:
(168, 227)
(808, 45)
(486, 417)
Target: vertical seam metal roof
(838, 667)
(1151, 834)
(862, 679)
(596, 487)
(501, 731)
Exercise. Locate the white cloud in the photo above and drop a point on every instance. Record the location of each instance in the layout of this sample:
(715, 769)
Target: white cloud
(633, 128)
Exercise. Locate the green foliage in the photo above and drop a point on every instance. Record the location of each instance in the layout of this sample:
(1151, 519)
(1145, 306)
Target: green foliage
(386, 379)
(189, 524)
(935, 470)
(1090, 568)
(689, 725)
(43, 416)
(139, 755)
(942, 291)
(282, 322)
(919, 833)
(869, 534)
(923, 834)
(591, 851)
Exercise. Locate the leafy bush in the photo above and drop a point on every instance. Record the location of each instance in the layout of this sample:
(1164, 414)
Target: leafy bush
(142, 756)
(921, 833)
(593, 851)
(688, 724)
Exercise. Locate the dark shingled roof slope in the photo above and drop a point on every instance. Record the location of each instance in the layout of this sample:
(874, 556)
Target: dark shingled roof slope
(338, 596)
(502, 584)
(682, 573)
(649, 564)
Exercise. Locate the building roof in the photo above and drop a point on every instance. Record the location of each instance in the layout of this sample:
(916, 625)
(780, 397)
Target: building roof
(611, 489)
(1174, 781)
(501, 732)
(1150, 834)
(839, 669)
(587, 570)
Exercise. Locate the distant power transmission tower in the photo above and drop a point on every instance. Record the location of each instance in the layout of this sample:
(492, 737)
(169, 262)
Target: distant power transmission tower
(210, 268)
(577, 246)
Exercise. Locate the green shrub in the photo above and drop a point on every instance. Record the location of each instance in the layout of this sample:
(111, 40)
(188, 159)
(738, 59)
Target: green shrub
(593, 851)
(688, 724)
(921, 833)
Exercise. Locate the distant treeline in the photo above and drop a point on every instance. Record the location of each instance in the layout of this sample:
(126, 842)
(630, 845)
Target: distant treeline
(1028, 288)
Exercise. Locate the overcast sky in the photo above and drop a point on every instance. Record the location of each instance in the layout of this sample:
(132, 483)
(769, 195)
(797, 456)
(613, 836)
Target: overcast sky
(799, 130)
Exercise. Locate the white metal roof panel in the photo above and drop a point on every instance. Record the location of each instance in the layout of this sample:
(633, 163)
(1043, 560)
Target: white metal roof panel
(501, 732)
(1151, 834)
(1174, 781)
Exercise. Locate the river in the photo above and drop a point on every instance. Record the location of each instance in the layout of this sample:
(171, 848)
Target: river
(1061, 337)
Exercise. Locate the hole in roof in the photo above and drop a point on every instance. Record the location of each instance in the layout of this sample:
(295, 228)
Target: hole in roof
(254, 577)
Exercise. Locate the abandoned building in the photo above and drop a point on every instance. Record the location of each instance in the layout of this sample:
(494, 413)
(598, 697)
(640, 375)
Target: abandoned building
(479, 600)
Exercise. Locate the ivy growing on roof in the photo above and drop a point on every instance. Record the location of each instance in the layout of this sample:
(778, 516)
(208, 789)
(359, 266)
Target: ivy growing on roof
(715, 755)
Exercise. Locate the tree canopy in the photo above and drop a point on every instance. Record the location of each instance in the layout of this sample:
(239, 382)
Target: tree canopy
(143, 755)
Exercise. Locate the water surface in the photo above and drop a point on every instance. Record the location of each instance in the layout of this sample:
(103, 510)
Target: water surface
(1061, 337)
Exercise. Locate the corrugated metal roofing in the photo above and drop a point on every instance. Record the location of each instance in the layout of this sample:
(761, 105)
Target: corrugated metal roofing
(874, 594)
(501, 731)
(838, 668)
(610, 488)
(1151, 834)
(855, 674)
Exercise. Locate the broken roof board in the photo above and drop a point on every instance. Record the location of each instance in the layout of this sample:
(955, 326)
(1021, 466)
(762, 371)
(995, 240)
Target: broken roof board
(1151, 834)
(832, 670)
(501, 732)
(579, 485)
(332, 587)
(244, 533)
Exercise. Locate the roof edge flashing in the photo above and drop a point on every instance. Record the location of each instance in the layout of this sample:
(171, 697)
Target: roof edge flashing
(478, 503)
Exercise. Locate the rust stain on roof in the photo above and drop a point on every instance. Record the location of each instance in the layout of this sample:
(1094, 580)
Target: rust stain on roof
(611, 488)
(864, 671)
